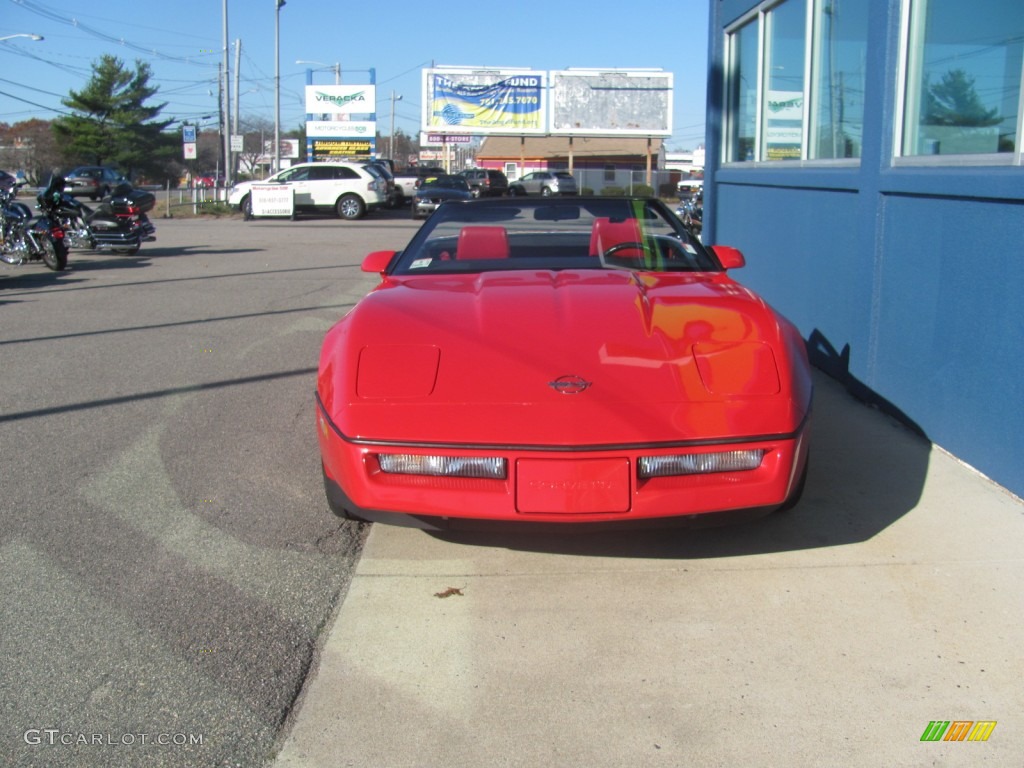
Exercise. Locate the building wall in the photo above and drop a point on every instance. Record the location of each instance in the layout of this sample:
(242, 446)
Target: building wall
(909, 278)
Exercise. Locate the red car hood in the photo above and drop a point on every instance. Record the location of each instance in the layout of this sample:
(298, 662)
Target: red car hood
(587, 357)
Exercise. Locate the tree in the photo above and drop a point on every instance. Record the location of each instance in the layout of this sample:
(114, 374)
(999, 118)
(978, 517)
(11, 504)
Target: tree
(29, 146)
(112, 123)
(955, 102)
(401, 147)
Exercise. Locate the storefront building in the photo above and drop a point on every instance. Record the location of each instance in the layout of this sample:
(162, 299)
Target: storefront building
(866, 156)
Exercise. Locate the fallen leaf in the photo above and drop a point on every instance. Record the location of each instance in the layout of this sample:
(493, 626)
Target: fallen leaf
(449, 592)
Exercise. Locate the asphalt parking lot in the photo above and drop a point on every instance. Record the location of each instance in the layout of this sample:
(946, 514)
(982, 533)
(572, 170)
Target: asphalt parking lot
(169, 567)
(168, 563)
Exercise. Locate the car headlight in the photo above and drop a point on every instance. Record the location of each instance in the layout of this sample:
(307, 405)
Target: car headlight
(700, 463)
(488, 467)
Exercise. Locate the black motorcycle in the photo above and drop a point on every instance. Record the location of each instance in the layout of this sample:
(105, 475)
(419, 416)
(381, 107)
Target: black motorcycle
(119, 223)
(26, 237)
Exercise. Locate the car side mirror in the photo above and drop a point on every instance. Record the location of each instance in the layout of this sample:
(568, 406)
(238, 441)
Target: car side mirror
(731, 258)
(378, 261)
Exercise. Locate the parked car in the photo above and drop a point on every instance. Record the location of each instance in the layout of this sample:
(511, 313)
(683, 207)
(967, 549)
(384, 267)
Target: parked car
(348, 189)
(392, 197)
(436, 190)
(407, 179)
(560, 360)
(544, 183)
(209, 181)
(92, 181)
(485, 182)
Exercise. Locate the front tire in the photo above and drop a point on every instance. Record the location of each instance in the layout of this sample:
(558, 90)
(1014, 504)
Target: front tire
(350, 207)
(55, 253)
(246, 206)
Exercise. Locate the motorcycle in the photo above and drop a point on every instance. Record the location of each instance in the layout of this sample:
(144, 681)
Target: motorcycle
(25, 237)
(692, 213)
(119, 223)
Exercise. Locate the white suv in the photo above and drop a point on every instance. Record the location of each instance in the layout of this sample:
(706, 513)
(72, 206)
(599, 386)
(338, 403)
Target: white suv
(345, 188)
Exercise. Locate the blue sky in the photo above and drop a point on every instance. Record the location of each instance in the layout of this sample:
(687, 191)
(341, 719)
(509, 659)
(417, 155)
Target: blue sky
(182, 40)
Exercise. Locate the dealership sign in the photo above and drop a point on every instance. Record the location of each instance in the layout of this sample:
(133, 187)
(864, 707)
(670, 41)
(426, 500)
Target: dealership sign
(341, 99)
(341, 129)
(327, 150)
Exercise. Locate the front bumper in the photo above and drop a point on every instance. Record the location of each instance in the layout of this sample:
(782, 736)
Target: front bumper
(557, 485)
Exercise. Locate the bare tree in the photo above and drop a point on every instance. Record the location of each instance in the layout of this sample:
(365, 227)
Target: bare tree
(29, 146)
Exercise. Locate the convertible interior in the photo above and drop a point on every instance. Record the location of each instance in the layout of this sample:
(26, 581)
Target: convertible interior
(572, 233)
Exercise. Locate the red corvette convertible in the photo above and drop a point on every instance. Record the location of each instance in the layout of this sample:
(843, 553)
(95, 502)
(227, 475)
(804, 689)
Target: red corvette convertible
(560, 360)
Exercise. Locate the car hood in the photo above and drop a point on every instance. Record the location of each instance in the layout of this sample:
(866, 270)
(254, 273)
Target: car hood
(592, 357)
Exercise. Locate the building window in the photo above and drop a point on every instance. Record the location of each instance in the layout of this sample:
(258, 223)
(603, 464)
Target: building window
(609, 173)
(741, 90)
(795, 81)
(838, 65)
(963, 66)
(783, 123)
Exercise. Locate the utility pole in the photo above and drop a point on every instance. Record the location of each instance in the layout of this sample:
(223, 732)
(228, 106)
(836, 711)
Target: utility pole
(226, 121)
(277, 84)
(391, 136)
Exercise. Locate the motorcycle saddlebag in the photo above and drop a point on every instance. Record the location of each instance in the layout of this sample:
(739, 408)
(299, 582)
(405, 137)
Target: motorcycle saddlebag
(140, 198)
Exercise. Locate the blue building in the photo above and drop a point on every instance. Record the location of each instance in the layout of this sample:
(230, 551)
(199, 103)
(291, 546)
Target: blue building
(866, 155)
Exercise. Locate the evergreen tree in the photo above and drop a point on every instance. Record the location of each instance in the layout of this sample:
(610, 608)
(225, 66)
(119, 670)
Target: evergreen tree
(954, 102)
(113, 125)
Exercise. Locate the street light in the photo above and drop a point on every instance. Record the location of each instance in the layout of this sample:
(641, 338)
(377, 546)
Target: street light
(277, 84)
(22, 34)
(336, 66)
(391, 136)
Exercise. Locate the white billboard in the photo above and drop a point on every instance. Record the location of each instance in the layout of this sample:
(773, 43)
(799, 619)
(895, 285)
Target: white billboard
(341, 99)
(611, 102)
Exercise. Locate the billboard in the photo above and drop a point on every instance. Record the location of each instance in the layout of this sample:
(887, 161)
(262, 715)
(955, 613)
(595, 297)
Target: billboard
(341, 99)
(484, 101)
(611, 102)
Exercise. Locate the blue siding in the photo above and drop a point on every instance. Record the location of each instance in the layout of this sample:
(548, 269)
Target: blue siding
(916, 273)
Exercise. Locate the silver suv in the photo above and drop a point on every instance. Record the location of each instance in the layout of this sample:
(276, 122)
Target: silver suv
(544, 183)
(485, 182)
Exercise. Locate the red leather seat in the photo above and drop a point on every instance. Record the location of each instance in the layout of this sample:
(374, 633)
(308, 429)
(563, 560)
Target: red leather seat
(482, 242)
(606, 234)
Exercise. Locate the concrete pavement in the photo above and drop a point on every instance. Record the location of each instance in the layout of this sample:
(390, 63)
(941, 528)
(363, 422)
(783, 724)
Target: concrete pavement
(831, 635)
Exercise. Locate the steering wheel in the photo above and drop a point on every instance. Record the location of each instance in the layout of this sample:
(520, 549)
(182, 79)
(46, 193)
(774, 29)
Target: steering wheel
(636, 246)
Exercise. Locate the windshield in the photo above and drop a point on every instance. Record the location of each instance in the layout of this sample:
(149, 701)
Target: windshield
(554, 233)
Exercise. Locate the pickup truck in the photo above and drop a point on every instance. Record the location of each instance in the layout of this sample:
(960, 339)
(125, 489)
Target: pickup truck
(408, 179)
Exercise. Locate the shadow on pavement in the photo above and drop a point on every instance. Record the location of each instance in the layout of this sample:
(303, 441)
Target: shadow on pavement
(867, 470)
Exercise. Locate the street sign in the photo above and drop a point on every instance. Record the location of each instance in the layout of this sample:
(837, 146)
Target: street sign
(188, 134)
(190, 150)
(237, 142)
